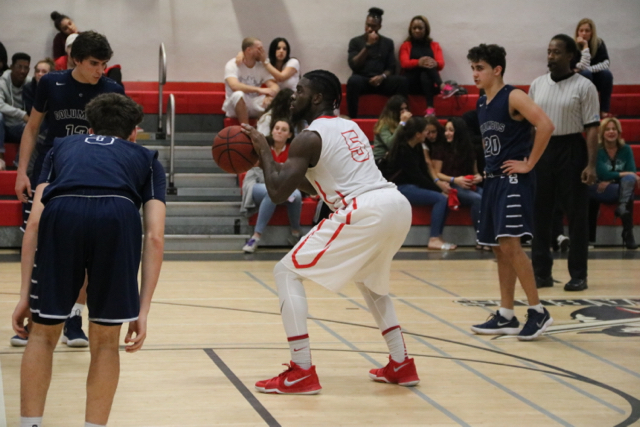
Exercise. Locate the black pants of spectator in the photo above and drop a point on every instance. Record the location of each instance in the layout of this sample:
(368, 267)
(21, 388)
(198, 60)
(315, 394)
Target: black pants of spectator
(359, 85)
(558, 180)
(424, 81)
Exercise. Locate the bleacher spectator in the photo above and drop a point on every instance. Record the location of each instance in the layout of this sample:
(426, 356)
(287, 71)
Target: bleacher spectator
(41, 68)
(594, 62)
(4, 59)
(13, 114)
(280, 108)
(280, 64)
(244, 96)
(254, 190)
(394, 113)
(455, 162)
(373, 62)
(421, 61)
(617, 176)
(65, 62)
(410, 172)
(65, 27)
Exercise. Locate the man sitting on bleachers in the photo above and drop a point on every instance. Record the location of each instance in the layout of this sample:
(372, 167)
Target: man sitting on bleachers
(13, 116)
(373, 62)
(244, 96)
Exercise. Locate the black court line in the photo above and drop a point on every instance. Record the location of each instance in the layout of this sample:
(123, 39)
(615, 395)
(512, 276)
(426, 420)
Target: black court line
(244, 391)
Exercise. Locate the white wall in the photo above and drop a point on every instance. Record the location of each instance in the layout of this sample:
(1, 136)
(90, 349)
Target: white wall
(201, 35)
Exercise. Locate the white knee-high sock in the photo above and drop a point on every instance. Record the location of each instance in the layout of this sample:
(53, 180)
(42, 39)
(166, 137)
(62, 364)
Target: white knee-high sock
(384, 313)
(294, 311)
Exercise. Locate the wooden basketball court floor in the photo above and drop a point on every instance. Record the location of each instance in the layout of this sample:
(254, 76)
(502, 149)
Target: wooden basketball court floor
(214, 330)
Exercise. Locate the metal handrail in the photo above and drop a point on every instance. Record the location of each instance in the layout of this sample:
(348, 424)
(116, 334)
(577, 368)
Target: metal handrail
(171, 123)
(162, 79)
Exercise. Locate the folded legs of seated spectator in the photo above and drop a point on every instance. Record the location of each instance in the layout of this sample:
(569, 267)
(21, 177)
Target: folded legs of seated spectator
(359, 85)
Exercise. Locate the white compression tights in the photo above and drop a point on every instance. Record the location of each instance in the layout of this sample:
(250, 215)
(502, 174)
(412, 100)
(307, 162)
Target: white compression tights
(293, 301)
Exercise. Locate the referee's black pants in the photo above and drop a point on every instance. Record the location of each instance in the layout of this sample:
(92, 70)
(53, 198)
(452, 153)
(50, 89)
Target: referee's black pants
(558, 180)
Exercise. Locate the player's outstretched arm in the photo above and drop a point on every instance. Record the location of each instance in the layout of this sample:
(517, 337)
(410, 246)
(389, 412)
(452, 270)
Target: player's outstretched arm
(154, 213)
(521, 104)
(282, 179)
(27, 145)
(29, 243)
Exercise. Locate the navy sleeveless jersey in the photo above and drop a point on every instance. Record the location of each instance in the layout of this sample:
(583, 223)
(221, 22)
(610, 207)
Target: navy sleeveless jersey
(503, 138)
(64, 98)
(89, 165)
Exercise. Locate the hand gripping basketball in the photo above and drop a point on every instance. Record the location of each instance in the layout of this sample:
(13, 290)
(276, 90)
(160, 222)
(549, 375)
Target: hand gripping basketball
(233, 151)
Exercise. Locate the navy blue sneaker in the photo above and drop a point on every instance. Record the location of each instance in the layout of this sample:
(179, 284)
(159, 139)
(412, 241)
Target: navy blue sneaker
(18, 341)
(536, 324)
(73, 335)
(497, 325)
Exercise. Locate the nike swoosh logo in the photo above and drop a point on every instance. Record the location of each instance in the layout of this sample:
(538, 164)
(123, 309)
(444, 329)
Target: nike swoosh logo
(60, 84)
(298, 349)
(288, 383)
(503, 324)
(542, 322)
(481, 105)
(396, 369)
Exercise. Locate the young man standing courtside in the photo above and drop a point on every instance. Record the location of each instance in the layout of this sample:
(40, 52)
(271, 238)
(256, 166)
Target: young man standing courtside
(506, 115)
(85, 216)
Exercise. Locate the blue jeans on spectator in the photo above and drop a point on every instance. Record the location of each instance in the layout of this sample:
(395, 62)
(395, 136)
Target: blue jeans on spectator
(614, 193)
(473, 199)
(603, 80)
(267, 208)
(422, 197)
(10, 133)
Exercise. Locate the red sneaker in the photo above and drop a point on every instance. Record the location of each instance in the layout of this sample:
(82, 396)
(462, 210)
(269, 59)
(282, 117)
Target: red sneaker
(294, 380)
(403, 374)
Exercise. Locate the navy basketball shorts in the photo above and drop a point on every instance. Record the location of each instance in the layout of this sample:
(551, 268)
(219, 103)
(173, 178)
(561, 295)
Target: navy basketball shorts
(102, 235)
(507, 208)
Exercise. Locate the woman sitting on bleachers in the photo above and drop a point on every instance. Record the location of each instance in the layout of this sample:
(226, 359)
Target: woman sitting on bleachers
(395, 111)
(65, 27)
(617, 176)
(594, 62)
(410, 172)
(455, 162)
(421, 61)
(279, 107)
(254, 191)
(280, 64)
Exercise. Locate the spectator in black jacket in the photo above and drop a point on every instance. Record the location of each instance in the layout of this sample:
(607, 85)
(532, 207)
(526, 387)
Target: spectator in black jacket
(408, 169)
(373, 62)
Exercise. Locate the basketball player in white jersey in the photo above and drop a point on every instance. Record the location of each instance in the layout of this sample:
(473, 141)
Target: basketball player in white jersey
(370, 221)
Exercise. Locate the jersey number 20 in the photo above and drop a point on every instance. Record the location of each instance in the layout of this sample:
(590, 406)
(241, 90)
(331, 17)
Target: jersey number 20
(491, 145)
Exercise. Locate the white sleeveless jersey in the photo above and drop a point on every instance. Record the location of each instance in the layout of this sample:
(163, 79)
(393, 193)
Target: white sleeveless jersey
(346, 167)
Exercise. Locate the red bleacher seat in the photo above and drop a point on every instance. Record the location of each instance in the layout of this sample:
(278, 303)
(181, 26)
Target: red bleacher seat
(10, 213)
(631, 130)
(10, 152)
(8, 183)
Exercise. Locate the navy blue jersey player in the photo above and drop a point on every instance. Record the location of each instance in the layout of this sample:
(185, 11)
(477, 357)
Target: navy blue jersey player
(86, 216)
(61, 97)
(506, 116)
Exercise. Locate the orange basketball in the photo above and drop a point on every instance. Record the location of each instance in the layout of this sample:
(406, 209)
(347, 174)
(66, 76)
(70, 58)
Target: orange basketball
(233, 151)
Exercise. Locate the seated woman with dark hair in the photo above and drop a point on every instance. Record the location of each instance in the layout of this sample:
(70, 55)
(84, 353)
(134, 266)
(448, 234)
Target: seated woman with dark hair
(279, 107)
(594, 62)
(280, 64)
(421, 61)
(254, 190)
(455, 162)
(617, 176)
(65, 27)
(394, 112)
(408, 169)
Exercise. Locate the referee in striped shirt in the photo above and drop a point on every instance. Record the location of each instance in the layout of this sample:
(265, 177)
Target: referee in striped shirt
(568, 165)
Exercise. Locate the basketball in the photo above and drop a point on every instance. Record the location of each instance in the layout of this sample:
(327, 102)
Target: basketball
(233, 151)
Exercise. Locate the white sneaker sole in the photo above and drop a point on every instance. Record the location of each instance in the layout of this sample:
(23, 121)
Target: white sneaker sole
(18, 342)
(276, 391)
(78, 342)
(501, 331)
(538, 332)
(384, 380)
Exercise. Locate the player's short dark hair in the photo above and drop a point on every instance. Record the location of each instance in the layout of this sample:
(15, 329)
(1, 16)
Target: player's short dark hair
(492, 54)
(90, 43)
(570, 45)
(57, 19)
(113, 114)
(376, 13)
(326, 83)
(248, 42)
(20, 56)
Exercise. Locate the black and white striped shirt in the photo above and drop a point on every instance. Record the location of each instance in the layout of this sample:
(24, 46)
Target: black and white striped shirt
(571, 104)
